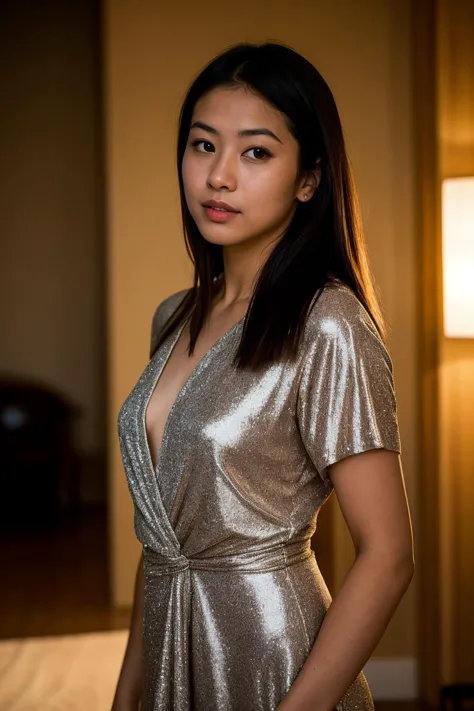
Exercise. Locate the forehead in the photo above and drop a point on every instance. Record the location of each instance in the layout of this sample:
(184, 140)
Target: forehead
(237, 108)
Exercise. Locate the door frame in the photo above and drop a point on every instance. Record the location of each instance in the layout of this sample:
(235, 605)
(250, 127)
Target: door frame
(429, 262)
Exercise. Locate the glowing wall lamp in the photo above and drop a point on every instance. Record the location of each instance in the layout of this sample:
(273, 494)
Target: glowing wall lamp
(458, 257)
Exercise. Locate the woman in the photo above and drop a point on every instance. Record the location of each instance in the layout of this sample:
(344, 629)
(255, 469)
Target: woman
(269, 386)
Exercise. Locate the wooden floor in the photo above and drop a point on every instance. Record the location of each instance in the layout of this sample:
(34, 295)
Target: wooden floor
(56, 581)
(77, 672)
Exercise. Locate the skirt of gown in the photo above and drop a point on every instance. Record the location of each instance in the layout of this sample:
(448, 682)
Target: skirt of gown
(232, 633)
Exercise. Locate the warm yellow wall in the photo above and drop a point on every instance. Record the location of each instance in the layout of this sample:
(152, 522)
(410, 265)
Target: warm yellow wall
(456, 374)
(390, 233)
(456, 87)
(152, 52)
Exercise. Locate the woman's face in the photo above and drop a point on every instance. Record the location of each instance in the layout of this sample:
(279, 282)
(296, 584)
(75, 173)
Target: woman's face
(240, 152)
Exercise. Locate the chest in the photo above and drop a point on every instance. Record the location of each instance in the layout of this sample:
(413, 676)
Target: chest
(176, 371)
(174, 374)
(204, 402)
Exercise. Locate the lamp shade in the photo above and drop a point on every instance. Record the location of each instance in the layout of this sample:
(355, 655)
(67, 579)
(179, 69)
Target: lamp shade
(458, 257)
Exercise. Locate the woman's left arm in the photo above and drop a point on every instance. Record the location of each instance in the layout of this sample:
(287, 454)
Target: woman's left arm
(371, 493)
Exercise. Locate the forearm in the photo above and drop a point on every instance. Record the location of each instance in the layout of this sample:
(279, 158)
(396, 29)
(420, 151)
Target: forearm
(352, 628)
(127, 695)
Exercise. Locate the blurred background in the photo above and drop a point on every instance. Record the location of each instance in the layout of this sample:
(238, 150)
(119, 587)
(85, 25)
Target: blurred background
(91, 242)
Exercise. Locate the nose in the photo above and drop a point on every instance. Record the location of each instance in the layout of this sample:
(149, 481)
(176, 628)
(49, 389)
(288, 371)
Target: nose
(222, 175)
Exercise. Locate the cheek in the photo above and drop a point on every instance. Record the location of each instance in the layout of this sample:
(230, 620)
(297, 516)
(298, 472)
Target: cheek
(271, 191)
(189, 173)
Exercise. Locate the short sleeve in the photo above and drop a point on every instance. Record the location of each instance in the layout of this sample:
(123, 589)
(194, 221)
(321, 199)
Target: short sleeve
(161, 315)
(346, 397)
(156, 326)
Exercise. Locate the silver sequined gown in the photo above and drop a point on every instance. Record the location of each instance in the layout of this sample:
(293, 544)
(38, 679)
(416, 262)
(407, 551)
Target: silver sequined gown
(233, 595)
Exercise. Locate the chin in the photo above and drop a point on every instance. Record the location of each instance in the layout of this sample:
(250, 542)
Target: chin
(223, 240)
(220, 234)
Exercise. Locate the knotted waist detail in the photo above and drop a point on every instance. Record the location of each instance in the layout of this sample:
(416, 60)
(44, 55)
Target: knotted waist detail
(177, 587)
(262, 560)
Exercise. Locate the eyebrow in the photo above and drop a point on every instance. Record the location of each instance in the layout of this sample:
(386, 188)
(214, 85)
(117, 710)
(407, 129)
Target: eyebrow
(245, 132)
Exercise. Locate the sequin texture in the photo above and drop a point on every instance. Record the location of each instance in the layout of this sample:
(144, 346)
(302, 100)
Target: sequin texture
(234, 598)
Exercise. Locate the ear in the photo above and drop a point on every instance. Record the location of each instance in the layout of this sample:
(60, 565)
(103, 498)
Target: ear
(309, 183)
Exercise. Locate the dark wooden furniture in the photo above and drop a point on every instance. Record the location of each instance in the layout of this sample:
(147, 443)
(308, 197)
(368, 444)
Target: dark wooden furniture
(38, 469)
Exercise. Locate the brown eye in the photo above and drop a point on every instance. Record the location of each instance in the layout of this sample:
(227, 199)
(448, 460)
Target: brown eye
(207, 146)
(259, 153)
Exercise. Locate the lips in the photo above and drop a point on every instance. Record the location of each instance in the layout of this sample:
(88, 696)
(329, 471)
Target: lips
(219, 205)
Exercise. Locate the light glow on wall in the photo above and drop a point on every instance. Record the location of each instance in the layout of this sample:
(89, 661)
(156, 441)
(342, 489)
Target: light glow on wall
(458, 257)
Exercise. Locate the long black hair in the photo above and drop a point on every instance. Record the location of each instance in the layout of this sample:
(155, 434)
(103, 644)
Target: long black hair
(324, 241)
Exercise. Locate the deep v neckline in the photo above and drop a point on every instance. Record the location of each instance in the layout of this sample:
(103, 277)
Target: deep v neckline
(180, 394)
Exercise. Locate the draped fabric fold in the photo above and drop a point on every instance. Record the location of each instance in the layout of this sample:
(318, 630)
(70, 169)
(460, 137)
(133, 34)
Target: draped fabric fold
(180, 568)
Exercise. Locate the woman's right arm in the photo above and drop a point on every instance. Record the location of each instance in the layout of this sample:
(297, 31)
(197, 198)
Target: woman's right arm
(128, 691)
